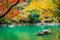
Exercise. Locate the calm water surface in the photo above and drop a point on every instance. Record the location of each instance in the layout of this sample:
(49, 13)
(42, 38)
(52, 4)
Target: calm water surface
(28, 32)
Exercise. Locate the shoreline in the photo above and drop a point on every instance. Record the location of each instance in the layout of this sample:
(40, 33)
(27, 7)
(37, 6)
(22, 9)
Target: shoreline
(22, 24)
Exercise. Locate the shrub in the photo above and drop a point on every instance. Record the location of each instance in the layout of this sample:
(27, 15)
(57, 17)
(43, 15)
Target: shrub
(34, 16)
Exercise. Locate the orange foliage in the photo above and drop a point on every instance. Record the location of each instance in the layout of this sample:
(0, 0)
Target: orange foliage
(12, 1)
(12, 14)
(22, 17)
(1, 6)
(21, 0)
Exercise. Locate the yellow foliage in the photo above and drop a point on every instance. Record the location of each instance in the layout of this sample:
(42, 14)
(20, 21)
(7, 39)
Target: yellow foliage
(46, 14)
(45, 4)
(30, 7)
(40, 5)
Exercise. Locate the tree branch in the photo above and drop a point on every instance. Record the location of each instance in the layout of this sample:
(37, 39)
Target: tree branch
(9, 9)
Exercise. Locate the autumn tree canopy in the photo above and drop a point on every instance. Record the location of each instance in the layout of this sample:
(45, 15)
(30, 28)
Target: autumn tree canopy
(14, 2)
(19, 10)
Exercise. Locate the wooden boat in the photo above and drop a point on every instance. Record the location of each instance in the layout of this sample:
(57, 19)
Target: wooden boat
(44, 32)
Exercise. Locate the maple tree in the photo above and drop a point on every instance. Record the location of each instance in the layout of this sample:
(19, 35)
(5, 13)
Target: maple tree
(3, 14)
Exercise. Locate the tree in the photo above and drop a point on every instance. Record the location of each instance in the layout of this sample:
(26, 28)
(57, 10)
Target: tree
(34, 16)
(8, 9)
(57, 13)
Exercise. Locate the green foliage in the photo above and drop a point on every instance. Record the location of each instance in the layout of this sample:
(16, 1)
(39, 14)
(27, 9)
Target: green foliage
(40, 19)
(56, 15)
(59, 7)
(33, 17)
(56, 1)
(47, 17)
(4, 20)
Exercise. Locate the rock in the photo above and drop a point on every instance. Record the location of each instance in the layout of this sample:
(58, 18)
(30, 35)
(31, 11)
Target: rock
(10, 25)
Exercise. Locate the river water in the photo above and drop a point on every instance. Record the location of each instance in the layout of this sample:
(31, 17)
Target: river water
(28, 32)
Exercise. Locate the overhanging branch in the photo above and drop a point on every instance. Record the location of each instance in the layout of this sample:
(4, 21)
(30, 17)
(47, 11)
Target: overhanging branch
(9, 9)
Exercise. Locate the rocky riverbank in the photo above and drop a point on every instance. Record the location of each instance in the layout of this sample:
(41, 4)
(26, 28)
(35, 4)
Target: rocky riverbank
(23, 24)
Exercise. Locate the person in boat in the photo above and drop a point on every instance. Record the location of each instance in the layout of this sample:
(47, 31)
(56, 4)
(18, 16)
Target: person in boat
(46, 31)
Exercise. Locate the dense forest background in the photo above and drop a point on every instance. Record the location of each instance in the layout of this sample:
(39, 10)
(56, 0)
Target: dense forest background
(31, 11)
